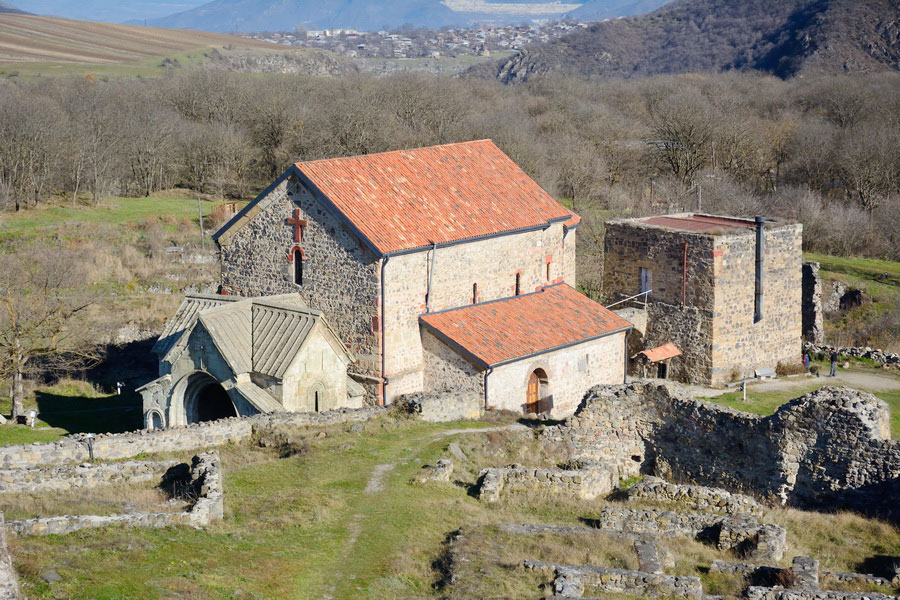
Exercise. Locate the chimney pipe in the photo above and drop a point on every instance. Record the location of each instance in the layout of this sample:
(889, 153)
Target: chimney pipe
(760, 253)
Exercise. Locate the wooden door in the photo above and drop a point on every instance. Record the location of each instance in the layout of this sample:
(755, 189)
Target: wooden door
(532, 400)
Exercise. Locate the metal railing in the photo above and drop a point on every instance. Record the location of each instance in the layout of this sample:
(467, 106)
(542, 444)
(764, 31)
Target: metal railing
(646, 295)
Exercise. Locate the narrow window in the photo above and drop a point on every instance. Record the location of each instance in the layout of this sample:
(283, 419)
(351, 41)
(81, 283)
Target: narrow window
(316, 401)
(548, 271)
(298, 267)
(474, 293)
(518, 283)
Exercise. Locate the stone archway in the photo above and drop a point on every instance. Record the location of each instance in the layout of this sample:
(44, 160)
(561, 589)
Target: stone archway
(538, 398)
(154, 419)
(204, 399)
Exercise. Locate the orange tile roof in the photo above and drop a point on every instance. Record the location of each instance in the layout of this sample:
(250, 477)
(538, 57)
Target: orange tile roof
(668, 350)
(504, 330)
(413, 198)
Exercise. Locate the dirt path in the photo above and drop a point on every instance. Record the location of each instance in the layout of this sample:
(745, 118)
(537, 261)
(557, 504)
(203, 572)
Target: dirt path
(864, 380)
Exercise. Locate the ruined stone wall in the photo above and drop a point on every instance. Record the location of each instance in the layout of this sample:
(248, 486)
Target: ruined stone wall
(813, 312)
(205, 483)
(827, 449)
(200, 435)
(571, 372)
(739, 345)
(690, 329)
(87, 475)
(340, 276)
(447, 370)
(492, 264)
(9, 582)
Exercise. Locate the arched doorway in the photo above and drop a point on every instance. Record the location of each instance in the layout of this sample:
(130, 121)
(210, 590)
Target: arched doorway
(537, 395)
(206, 400)
(154, 419)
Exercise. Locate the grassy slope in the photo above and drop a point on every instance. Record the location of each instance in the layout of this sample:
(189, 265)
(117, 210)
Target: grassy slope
(303, 527)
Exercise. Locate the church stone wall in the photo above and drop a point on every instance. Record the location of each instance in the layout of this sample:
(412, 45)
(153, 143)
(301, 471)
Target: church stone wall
(571, 372)
(340, 276)
(492, 264)
(317, 368)
(446, 370)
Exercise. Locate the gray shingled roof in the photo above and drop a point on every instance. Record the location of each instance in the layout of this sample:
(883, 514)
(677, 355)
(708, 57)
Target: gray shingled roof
(185, 318)
(260, 335)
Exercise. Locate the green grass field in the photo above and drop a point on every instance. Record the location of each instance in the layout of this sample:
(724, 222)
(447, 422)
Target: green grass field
(305, 526)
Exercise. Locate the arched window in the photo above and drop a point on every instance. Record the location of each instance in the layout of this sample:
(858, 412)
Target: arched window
(518, 283)
(474, 293)
(298, 266)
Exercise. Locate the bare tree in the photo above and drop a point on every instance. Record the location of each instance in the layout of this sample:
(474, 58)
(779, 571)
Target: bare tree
(684, 128)
(39, 310)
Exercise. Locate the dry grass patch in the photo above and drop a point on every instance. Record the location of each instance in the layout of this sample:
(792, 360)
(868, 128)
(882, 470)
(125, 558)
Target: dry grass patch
(106, 500)
(841, 541)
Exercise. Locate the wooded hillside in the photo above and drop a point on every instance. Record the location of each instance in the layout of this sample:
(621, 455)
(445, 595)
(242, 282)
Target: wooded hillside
(781, 38)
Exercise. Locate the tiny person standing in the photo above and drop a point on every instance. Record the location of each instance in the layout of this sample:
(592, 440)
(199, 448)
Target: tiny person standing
(834, 358)
(805, 361)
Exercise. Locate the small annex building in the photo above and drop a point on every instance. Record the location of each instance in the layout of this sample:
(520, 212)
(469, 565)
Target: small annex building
(436, 267)
(724, 291)
(224, 356)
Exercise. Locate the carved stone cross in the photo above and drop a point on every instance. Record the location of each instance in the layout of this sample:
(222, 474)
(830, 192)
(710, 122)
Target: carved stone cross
(298, 225)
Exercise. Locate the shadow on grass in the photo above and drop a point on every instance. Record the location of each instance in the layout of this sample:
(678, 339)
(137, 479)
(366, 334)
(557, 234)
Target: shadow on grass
(80, 414)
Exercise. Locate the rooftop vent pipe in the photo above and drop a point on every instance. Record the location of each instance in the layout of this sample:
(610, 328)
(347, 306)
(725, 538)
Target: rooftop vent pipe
(760, 253)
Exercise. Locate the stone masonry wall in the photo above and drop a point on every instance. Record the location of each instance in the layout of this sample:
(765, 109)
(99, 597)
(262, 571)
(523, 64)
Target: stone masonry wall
(705, 304)
(827, 449)
(446, 370)
(205, 483)
(571, 372)
(739, 346)
(697, 497)
(340, 276)
(630, 247)
(438, 407)
(492, 264)
(200, 435)
(87, 475)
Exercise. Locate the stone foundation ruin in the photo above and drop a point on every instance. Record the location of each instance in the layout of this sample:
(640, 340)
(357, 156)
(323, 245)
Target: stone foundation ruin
(830, 449)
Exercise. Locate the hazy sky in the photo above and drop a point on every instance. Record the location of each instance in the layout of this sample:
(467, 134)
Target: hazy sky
(114, 11)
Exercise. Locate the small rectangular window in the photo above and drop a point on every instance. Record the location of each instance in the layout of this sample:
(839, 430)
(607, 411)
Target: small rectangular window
(518, 283)
(548, 271)
(474, 293)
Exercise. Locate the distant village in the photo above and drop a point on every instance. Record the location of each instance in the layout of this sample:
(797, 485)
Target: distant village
(479, 40)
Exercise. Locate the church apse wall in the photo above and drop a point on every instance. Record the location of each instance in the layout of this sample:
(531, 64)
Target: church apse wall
(339, 276)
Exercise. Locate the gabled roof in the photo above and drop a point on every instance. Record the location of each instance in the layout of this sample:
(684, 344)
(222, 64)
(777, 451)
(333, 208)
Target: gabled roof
(667, 350)
(185, 318)
(409, 199)
(502, 331)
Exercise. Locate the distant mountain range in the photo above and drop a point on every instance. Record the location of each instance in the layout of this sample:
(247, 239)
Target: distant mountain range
(369, 15)
(9, 8)
(784, 37)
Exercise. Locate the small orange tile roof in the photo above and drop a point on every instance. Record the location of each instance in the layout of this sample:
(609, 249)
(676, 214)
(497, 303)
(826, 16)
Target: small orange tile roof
(414, 198)
(504, 330)
(668, 350)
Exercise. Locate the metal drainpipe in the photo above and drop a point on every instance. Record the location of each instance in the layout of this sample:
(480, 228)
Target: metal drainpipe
(760, 253)
(486, 375)
(384, 382)
(430, 277)
(627, 338)
(684, 275)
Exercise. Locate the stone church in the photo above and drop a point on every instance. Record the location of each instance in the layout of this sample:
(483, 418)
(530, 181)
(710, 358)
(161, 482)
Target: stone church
(437, 269)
